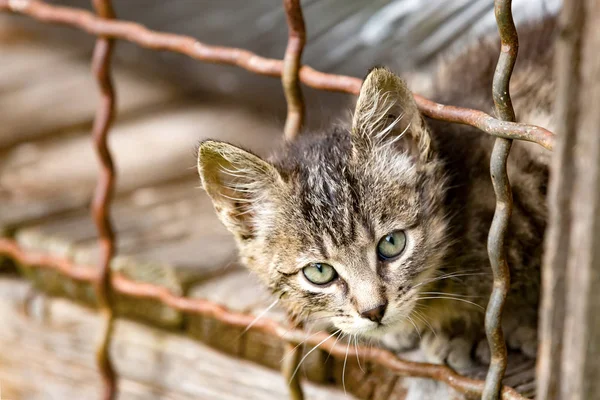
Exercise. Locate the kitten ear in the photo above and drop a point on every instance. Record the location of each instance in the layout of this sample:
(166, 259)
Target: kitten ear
(386, 112)
(236, 181)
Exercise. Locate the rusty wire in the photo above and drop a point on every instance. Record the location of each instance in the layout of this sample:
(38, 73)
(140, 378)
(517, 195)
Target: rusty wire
(291, 73)
(103, 196)
(497, 236)
(189, 46)
(290, 81)
(290, 76)
(289, 366)
(139, 290)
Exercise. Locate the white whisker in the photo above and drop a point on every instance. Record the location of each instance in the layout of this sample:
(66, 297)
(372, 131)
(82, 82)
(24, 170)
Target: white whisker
(422, 318)
(448, 276)
(451, 298)
(299, 344)
(344, 369)
(259, 316)
(452, 294)
(334, 343)
(356, 351)
(415, 325)
(311, 350)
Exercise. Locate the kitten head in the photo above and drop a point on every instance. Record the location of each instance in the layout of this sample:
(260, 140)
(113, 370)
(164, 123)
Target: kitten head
(347, 225)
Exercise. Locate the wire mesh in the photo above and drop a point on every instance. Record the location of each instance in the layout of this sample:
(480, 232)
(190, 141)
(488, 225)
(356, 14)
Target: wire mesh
(101, 66)
(107, 28)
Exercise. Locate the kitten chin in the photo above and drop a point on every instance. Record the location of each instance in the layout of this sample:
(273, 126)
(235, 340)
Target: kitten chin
(373, 331)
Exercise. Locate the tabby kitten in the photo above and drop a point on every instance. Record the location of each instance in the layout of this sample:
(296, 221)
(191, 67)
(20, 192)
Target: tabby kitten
(382, 227)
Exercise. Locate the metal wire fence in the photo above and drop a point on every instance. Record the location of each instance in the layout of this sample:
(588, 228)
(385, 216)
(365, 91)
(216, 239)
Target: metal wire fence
(107, 28)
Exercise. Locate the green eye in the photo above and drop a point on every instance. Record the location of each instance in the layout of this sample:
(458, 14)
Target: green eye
(391, 245)
(319, 273)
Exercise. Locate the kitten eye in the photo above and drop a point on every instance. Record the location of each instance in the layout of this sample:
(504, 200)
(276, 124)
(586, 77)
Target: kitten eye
(319, 273)
(391, 245)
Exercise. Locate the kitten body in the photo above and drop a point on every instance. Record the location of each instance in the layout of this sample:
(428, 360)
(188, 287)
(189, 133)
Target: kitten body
(330, 199)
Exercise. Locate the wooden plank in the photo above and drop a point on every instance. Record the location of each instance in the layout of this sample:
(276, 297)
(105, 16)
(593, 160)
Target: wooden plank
(168, 235)
(53, 175)
(23, 54)
(47, 88)
(49, 354)
(569, 364)
(560, 195)
(177, 227)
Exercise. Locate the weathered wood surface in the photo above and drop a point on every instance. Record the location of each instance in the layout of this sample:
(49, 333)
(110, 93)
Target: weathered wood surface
(569, 365)
(48, 353)
(37, 179)
(168, 235)
(48, 93)
(46, 89)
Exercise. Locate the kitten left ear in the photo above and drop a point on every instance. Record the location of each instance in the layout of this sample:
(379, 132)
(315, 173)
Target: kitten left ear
(236, 181)
(386, 112)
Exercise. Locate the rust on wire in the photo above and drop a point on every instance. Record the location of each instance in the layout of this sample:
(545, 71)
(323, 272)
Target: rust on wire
(290, 76)
(486, 123)
(79, 273)
(103, 196)
(497, 236)
(125, 286)
(290, 81)
(189, 46)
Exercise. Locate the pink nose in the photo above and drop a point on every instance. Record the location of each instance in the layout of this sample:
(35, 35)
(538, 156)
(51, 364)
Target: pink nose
(375, 314)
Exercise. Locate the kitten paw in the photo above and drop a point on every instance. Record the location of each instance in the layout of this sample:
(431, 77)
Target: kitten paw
(459, 357)
(399, 342)
(435, 347)
(440, 349)
(482, 352)
(524, 338)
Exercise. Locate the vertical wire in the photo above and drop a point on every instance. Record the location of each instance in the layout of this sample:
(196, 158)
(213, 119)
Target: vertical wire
(499, 175)
(289, 366)
(290, 80)
(290, 77)
(101, 64)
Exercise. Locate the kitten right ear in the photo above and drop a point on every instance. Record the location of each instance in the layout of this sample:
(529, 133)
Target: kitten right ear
(236, 181)
(386, 112)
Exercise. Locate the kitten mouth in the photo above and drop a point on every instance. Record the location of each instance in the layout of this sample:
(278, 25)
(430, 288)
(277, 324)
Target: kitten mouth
(376, 332)
(362, 327)
(371, 331)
